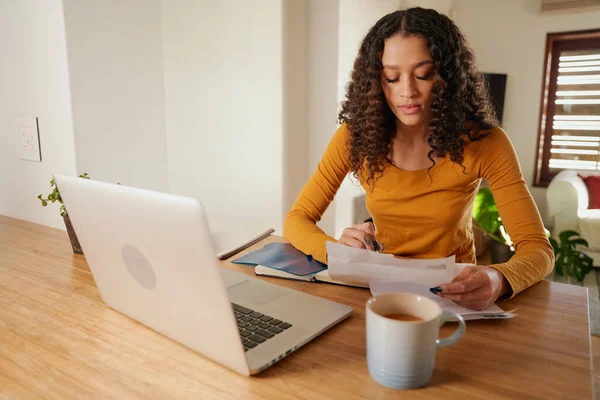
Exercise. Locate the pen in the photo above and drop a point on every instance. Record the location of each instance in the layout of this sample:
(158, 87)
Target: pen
(378, 246)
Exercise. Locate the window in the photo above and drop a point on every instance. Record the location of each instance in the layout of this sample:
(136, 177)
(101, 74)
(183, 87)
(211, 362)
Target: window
(569, 128)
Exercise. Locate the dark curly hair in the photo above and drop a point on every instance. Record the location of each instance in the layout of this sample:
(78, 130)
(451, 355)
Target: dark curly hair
(459, 93)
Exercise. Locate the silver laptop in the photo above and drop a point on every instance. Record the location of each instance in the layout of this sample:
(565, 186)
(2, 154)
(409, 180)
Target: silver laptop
(152, 257)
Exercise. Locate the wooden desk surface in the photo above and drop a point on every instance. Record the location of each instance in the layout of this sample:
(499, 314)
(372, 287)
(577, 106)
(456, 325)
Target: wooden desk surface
(58, 340)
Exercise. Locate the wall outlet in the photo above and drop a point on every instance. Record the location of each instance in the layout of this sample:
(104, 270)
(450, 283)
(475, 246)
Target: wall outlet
(28, 139)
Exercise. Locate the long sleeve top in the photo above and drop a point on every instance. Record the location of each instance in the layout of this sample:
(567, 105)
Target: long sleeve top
(428, 213)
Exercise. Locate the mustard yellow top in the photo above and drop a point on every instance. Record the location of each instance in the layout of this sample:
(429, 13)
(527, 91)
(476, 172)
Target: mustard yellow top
(419, 217)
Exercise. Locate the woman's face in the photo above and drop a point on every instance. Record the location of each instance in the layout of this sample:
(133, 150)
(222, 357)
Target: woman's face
(407, 78)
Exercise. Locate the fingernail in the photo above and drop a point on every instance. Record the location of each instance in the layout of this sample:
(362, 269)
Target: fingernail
(435, 290)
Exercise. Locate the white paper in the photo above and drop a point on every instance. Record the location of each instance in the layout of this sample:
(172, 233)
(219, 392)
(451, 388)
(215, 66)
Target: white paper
(347, 263)
(492, 312)
(386, 273)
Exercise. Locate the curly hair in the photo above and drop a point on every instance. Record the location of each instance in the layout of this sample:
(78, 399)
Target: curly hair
(459, 93)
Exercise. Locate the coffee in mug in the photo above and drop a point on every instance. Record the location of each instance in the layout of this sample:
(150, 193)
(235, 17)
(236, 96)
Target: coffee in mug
(403, 317)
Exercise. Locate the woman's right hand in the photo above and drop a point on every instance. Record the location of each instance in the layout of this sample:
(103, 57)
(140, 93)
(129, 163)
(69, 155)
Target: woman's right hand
(361, 236)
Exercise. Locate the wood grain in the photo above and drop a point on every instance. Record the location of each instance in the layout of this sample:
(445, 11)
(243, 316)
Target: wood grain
(59, 341)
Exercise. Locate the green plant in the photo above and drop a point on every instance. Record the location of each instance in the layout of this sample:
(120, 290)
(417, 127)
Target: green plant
(55, 196)
(487, 217)
(569, 260)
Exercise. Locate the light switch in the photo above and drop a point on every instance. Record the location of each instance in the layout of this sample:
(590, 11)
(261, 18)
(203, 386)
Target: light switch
(28, 139)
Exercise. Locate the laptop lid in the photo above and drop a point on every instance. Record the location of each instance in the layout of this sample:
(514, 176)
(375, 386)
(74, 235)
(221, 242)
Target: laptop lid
(152, 257)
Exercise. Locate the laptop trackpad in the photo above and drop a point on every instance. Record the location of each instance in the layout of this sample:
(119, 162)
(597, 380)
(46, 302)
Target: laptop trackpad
(255, 292)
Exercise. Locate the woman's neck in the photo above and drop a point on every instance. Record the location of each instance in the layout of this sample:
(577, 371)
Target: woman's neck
(409, 149)
(411, 136)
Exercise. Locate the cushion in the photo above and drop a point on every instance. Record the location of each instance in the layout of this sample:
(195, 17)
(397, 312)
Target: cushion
(593, 185)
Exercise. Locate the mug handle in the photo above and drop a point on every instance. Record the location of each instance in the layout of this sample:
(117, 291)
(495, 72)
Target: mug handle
(449, 316)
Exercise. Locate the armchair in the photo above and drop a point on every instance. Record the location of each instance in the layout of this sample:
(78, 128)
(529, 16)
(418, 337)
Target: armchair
(568, 200)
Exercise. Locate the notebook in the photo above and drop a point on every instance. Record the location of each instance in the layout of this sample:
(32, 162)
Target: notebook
(322, 276)
(284, 257)
(282, 260)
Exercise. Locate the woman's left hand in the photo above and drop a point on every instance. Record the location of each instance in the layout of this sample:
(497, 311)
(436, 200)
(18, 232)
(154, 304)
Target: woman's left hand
(476, 287)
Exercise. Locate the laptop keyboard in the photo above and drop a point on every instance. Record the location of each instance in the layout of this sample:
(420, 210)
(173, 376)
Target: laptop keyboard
(256, 328)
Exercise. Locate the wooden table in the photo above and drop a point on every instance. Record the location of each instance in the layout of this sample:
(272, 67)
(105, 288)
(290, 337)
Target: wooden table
(58, 340)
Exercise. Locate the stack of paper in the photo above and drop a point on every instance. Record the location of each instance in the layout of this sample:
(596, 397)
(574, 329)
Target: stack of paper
(492, 312)
(386, 273)
(359, 265)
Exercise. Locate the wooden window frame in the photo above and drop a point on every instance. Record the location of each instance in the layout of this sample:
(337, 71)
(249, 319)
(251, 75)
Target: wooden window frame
(555, 44)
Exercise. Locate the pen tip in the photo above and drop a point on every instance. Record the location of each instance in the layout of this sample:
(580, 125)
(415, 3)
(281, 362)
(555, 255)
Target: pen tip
(435, 290)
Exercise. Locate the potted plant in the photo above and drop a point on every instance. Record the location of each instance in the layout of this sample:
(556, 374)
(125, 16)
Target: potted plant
(569, 261)
(55, 196)
(487, 218)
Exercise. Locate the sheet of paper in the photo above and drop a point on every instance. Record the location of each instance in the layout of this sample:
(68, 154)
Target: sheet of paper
(359, 265)
(492, 312)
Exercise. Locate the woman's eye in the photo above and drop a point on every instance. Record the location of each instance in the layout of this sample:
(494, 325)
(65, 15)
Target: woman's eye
(392, 80)
(425, 77)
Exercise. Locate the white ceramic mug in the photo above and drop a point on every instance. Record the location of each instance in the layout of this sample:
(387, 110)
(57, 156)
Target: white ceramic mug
(401, 354)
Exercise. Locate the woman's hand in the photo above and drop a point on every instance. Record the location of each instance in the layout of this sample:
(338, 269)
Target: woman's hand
(476, 287)
(361, 236)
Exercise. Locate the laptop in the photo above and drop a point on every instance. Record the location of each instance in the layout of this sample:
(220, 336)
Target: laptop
(152, 257)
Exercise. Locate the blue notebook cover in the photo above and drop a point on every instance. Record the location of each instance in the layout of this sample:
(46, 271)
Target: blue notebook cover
(284, 257)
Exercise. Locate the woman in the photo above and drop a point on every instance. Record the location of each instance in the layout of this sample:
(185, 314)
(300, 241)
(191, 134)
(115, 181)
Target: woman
(418, 131)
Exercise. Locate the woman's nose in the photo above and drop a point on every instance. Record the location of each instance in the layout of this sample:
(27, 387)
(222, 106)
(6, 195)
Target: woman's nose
(407, 88)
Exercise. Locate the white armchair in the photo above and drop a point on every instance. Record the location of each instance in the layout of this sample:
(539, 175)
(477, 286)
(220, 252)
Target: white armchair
(568, 199)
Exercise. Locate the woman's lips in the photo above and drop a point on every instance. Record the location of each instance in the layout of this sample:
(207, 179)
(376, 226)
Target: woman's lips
(410, 109)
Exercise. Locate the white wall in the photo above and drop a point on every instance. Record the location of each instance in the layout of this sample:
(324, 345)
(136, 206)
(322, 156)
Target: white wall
(295, 99)
(218, 88)
(224, 96)
(509, 37)
(117, 90)
(33, 82)
(323, 18)
(443, 6)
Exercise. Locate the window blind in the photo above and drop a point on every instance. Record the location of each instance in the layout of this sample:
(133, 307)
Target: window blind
(575, 141)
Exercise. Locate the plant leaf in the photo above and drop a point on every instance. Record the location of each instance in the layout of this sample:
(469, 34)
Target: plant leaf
(578, 273)
(488, 219)
(486, 215)
(555, 245)
(569, 260)
(558, 265)
(581, 241)
(566, 235)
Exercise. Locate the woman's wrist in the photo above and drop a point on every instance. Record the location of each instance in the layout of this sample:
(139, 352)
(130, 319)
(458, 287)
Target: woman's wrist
(503, 283)
(506, 289)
